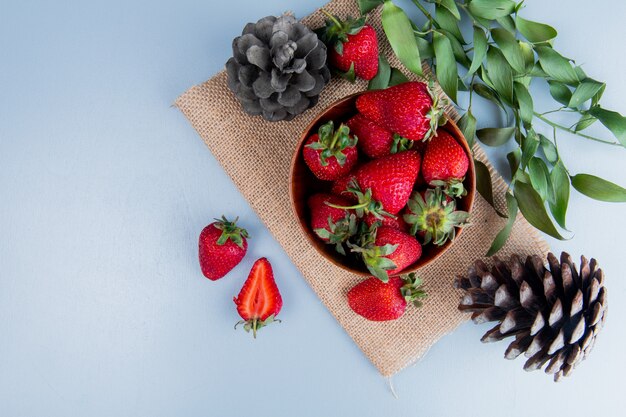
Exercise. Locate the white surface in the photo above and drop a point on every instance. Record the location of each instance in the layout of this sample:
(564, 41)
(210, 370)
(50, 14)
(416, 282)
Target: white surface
(103, 310)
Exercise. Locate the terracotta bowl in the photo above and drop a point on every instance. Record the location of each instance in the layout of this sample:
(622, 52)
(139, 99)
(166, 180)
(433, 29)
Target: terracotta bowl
(304, 184)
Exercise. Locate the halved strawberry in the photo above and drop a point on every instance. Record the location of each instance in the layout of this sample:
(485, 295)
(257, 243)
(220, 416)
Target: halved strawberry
(259, 301)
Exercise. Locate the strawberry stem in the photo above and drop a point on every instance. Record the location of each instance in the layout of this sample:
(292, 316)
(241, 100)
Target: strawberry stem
(332, 17)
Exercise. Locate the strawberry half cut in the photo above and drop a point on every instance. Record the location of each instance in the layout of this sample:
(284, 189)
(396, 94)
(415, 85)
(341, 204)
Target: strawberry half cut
(259, 301)
(434, 215)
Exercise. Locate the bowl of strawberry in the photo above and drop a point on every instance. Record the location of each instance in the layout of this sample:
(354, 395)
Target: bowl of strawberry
(382, 181)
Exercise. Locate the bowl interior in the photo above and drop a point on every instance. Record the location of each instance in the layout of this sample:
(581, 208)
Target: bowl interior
(305, 184)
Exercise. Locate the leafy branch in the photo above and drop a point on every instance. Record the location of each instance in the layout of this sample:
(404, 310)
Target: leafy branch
(506, 53)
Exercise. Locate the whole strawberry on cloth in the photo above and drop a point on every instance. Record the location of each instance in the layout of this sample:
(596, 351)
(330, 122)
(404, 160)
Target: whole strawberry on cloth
(409, 109)
(329, 153)
(445, 163)
(390, 180)
(352, 46)
(259, 301)
(375, 300)
(376, 141)
(387, 251)
(221, 246)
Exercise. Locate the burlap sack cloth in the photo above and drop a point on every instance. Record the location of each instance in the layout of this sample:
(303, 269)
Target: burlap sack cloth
(260, 169)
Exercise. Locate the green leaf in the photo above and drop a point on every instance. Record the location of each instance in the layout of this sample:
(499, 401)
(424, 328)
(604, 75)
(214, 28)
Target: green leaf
(535, 32)
(507, 23)
(399, 31)
(489, 94)
(451, 6)
(447, 21)
(446, 70)
(366, 6)
(525, 103)
(425, 48)
(510, 48)
(533, 209)
(585, 121)
(397, 77)
(549, 150)
(480, 50)
(560, 92)
(613, 121)
(560, 184)
(598, 188)
(530, 143)
(381, 80)
(491, 9)
(504, 234)
(467, 124)
(515, 159)
(556, 65)
(529, 56)
(585, 91)
(484, 185)
(540, 178)
(500, 74)
(495, 136)
(457, 49)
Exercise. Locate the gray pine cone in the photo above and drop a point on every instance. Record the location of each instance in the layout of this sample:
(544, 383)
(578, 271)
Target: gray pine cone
(555, 314)
(278, 68)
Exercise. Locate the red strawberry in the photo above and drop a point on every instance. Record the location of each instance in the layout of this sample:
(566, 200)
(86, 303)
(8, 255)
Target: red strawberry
(432, 215)
(446, 162)
(379, 301)
(397, 222)
(222, 245)
(331, 154)
(387, 251)
(352, 46)
(408, 109)
(376, 141)
(332, 225)
(390, 179)
(259, 301)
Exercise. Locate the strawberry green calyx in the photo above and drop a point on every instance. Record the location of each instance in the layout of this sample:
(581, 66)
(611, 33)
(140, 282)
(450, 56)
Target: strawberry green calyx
(436, 114)
(366, 205)
(374, 257)
(453, 187)
(412, 290)
(400, 144)
(256, 324)
(332, 142)
(434, 216)
(231, 231)
(336, 30)
(339, 232)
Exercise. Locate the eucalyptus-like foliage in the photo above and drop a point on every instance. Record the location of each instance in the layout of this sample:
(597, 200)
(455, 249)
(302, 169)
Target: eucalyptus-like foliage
(506, 53)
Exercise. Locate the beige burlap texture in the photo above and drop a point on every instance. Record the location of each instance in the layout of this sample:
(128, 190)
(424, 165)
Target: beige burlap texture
(259, 167)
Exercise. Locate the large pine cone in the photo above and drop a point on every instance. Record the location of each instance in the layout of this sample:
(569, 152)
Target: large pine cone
(278, 68)
(555, 315)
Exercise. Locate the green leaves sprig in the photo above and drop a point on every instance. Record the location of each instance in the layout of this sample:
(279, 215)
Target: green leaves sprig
(506, 54)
